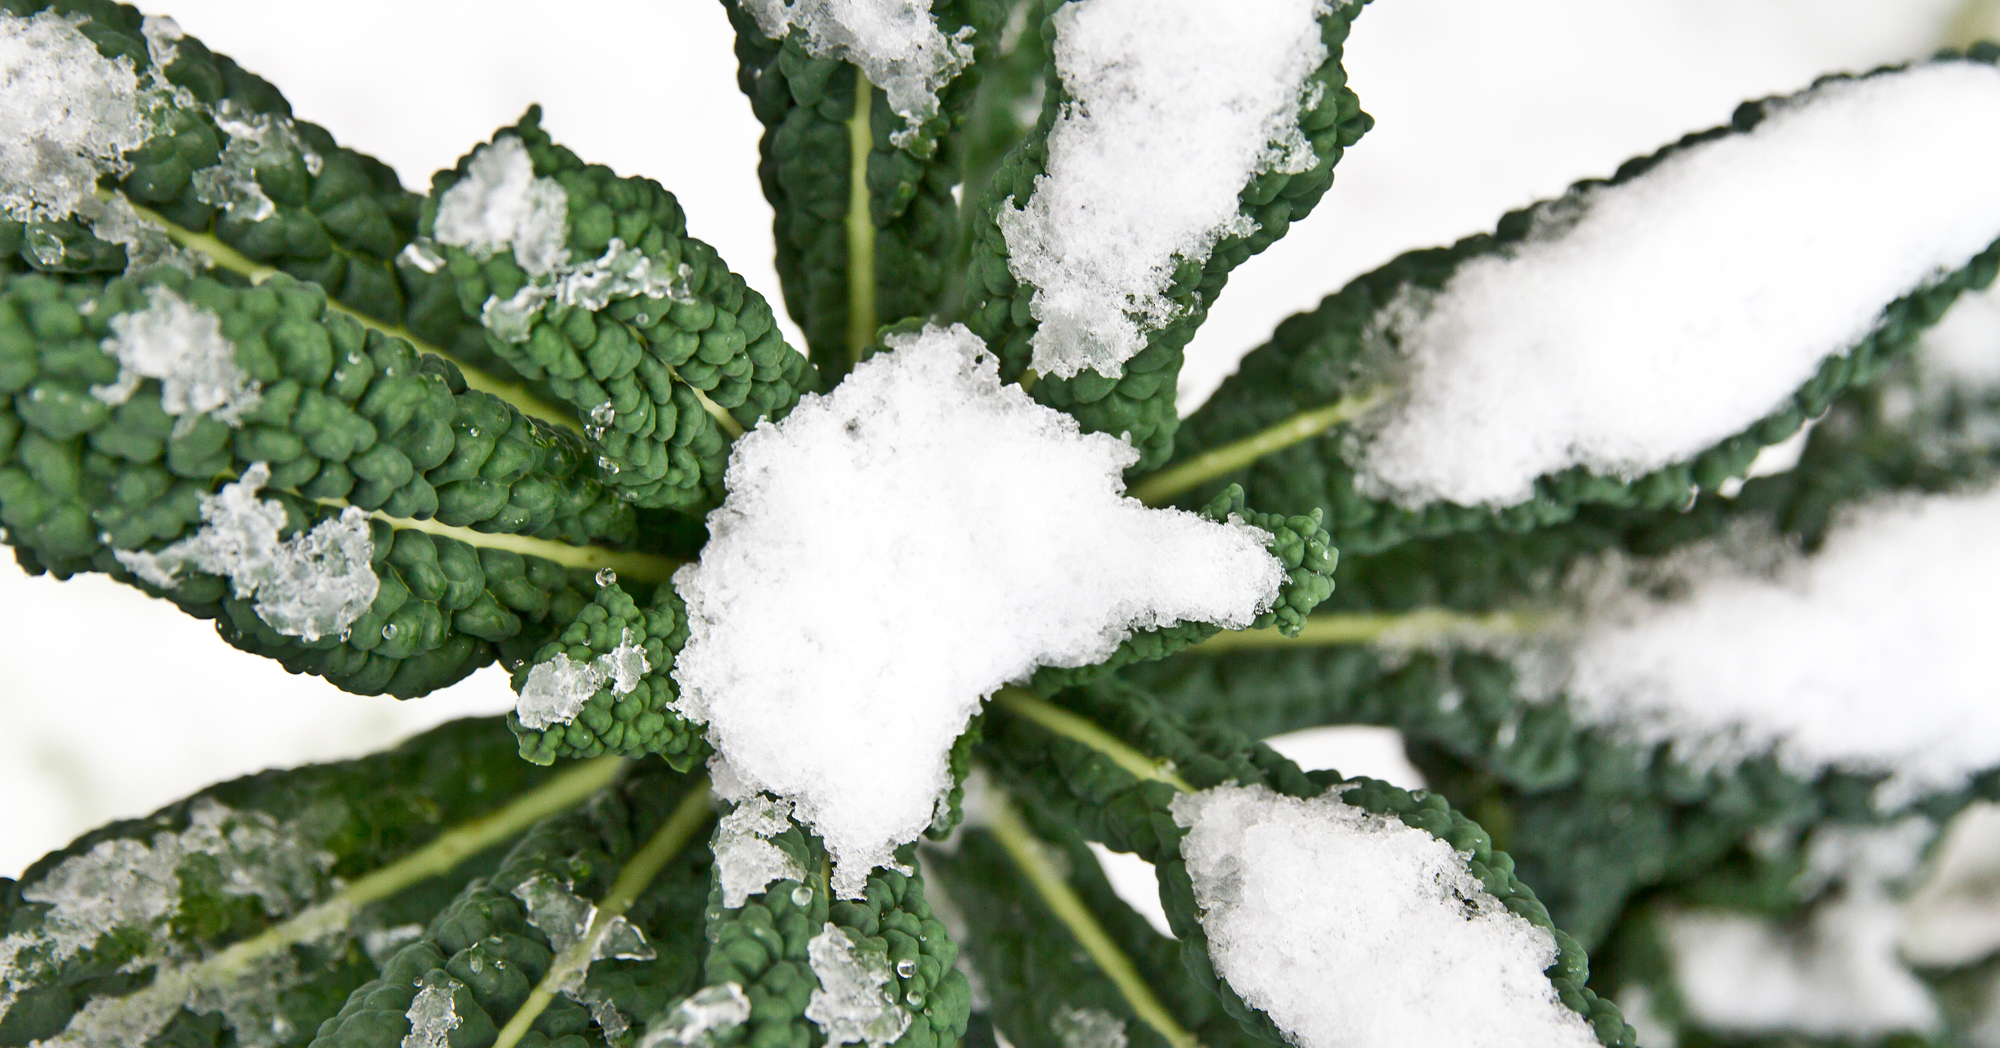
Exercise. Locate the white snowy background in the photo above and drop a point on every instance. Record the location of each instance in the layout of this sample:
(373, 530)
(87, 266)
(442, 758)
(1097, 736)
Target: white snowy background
(112, 704)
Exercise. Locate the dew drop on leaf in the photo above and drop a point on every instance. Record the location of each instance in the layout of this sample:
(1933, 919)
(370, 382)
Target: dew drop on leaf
(802, 896)
(606, 577)
(907, 968)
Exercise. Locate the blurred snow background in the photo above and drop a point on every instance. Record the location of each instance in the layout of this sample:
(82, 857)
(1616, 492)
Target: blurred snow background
(112, 704)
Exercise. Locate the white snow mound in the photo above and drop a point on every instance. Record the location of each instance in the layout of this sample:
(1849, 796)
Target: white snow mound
(1175, 106)
(1354, 930)
(1645, 322)
(896, 43)
(68, 115)
(1868, 656)
(892, 553)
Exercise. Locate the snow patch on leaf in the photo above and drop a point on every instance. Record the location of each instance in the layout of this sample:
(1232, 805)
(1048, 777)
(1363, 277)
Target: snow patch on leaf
(1175, 106)
(311, 585)
(183, 347)
(855, 1002)
(963, 536)
(69, 114)
(746, 862)
(1644, 322)
(556, 690)
(896, 43)
(500, 205)
(1354, 930)
(697, 1020)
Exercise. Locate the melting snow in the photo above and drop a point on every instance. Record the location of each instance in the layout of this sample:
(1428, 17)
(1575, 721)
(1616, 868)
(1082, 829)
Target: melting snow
(696, 1021)
(745, 861)
(1177, 105)
(1354, 930)
(69, 115)
(255, 140)
(500, 205)
(1646, 322)
(855, 1002)
(312, 585)
(183, 347)
(897, 43)
(433, 1015)
(962, 536)
(557, 689)
(1868, 656)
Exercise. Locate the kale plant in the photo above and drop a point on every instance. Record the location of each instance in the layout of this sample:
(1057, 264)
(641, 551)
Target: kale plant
(834, 660)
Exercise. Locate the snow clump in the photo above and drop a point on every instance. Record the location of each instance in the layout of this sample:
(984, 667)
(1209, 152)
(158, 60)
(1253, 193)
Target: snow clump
(1175, 106)
(183, 347)
(746, 862)
(434, 1013)
(1868, 656)
(1353, 930)
(311, 585)
(695, 1022)
(896, 43)
(501, 206)
(556, 690)
(962, 535)
(856, 1001)
(69, 115)
(1642, 323)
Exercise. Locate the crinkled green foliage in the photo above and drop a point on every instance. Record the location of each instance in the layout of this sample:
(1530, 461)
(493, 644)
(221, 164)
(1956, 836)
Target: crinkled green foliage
(650, 359)
(1317, 358)
(806, 166)
(359, 815)
(1077, 787)
(1141, 403)
(634, 723)
(484, 940)
(761, 946)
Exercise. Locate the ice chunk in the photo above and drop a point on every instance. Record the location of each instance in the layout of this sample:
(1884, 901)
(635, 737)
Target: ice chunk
(963, 535)
(256, 140)
(433, 1015)
(311, 585)
(622, 272)
(69, 115)
(856, 1000)
(1354, 930)
(500, 205)
(1642, 323)
(621, 940)
(1837, 977)
(1176, 106)
(557, 689)
(695, 1022)
(183, 347)
(147, 245)
(1867, 656)
(745, 861)
(554, 910)
(1089, 1028)
(897, 43)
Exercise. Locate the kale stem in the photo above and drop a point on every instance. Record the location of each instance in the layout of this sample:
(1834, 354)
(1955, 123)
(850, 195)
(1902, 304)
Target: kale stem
(1030, 856)
(637, 873)
(644, 567)
(1166, 484)
(1072, 726)
(860, 226)
(1401, 629)
(523, 399)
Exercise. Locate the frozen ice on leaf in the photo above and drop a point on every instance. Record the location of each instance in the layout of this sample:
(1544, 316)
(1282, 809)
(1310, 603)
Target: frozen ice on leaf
(500, 205)
(746, 862)
(69, 114)
(896, 43)
(312, 585)
(433, 1015)
(558, 913)
(182, 346)
(855, 1002)
(695, 1021)
(1089, 1028)
(256, 140)
(1354, 930)
(963, 536)
(1644, 322)
(1176, 106)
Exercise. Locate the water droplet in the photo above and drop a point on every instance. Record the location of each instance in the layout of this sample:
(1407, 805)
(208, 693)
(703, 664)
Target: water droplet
(389, 632)
(47, 247)
(914, 999)
(606, 464)
(643, 319)
(606, 577)
(603, 414)
(472, 431)
(906, 968)
(802, 896)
